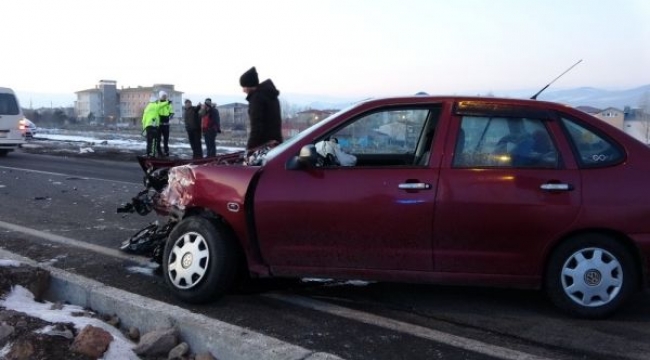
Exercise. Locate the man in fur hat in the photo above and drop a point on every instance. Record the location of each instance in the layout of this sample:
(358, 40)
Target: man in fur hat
(263, 109)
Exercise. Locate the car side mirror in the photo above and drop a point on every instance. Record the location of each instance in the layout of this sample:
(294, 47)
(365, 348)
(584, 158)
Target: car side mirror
(307, 158)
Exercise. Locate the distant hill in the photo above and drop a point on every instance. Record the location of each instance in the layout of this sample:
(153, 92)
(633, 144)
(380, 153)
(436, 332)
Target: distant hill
(583, 96)
(37, 100)
(588, 96)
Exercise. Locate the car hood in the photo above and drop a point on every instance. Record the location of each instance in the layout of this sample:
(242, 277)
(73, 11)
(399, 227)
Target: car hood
(218, 188)
(150, 164)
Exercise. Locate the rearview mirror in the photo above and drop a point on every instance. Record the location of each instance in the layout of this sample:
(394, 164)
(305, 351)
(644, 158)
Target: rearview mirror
(307, 158)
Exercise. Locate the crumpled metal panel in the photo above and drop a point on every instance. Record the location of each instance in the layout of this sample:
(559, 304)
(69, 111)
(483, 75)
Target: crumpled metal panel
(180, 188)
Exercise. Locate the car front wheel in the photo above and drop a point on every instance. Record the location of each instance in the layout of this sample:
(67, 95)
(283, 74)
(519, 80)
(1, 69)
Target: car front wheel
(590, 276)
(199, 263)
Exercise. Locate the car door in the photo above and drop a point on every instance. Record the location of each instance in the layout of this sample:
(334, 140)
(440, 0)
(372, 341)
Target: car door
(376, 214)
(507, 190)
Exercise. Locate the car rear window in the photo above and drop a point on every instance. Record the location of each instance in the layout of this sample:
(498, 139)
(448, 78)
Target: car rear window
(593, 148)
(8, 105)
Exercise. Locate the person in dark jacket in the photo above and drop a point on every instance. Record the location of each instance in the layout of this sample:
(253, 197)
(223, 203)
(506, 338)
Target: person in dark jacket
(210, 126)
(193, 128)
(263, 109)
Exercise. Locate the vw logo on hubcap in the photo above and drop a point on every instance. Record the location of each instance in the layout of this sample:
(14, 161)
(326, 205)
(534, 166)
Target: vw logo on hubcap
(593, 277)
(186, 261)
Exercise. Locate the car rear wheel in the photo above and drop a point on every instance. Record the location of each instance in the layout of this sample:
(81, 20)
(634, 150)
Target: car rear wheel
(200, 260)
(590, 276)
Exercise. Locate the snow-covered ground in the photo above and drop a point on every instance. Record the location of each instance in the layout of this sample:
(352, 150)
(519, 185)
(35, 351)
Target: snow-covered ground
(22, 300)
(90, 141)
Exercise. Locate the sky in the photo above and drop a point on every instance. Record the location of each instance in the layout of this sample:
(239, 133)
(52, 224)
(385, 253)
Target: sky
(329, 48)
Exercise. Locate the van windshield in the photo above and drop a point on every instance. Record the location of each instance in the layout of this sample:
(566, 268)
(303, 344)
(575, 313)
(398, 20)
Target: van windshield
(8, 105)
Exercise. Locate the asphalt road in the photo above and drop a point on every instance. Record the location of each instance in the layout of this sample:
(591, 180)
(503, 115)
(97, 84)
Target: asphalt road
(62, 210)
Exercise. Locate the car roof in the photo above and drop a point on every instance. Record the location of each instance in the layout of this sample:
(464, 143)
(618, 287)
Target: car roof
(457, 98)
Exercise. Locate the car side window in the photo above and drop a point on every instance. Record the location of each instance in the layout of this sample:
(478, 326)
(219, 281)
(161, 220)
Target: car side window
(504, 142)
(592, 148)
(389, 137)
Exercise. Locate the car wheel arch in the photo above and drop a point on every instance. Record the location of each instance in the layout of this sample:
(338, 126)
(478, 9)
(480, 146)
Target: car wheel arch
(219, 221)
(618, 236)
(585, 274)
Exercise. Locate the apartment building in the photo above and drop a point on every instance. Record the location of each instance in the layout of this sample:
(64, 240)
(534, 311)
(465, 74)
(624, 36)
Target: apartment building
(106, 104)
(134, 100)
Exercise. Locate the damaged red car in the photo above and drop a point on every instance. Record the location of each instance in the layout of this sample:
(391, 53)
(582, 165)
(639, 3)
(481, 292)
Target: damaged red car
(445, 190)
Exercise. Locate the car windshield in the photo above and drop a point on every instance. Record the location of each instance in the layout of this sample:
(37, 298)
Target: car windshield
(305, 133)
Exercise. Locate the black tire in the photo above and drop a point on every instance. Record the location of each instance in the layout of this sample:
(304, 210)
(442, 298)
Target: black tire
(210, 258)
(591, 275)
(4, 153)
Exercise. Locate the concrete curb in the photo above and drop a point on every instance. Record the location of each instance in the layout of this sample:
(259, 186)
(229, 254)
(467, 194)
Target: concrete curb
(224, 341)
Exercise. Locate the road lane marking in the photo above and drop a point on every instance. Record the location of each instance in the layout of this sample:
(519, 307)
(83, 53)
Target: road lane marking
(75, 243)
(68, 175)
(355, 315)
(406, 328)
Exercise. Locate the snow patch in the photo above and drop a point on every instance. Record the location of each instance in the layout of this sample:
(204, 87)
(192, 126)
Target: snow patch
(9, 263)
(51, 262)
(357, 283)
(140, 270)
(5, 350)
(20, 299)
(316, 280)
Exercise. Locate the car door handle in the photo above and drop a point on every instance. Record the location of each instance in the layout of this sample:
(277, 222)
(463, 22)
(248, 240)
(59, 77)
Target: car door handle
(556, 187)
(414, 186)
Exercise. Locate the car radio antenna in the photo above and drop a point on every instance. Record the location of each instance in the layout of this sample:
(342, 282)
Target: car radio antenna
(549, 84)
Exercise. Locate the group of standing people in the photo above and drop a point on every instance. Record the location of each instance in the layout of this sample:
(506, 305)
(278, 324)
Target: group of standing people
(203, 119)
(155, 124)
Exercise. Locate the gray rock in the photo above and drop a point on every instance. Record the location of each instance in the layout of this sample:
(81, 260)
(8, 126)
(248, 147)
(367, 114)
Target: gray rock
(21, 350)
(204, 356)
(63, 330)
(134, 333)
(35, 280)
(179, 351)
(114, 321)
(5, 331)
(157, 342)
(57, 306)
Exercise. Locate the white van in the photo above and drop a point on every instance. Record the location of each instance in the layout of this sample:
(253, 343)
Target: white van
(11, 136)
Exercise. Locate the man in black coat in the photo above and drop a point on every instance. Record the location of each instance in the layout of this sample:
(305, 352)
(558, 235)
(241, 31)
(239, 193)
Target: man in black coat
(263, 109)
(193, 128)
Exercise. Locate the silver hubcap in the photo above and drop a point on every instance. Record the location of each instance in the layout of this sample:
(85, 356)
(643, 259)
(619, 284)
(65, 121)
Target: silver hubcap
(188, 260)
(592, 277)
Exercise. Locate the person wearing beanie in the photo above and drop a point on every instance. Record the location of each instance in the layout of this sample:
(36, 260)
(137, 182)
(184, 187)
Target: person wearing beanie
(165, 112)
(263, 109)
(150, 122)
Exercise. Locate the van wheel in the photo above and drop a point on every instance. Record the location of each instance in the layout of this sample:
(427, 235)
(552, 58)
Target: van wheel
(4, 153)
(199, 262)
(590, 276)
